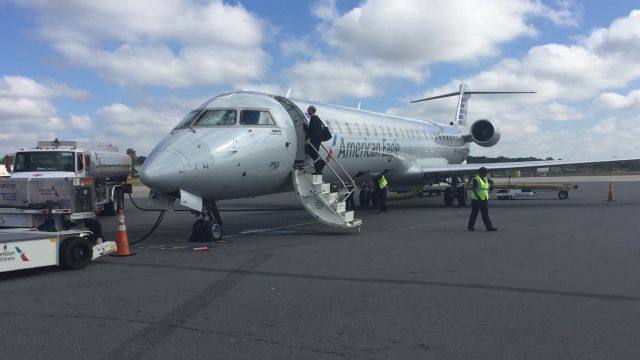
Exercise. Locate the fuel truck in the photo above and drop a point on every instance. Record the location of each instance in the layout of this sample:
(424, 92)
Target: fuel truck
(59, 185)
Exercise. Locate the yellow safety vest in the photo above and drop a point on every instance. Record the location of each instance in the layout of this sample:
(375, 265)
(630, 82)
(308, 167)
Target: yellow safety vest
(382, 182)
(483, 189)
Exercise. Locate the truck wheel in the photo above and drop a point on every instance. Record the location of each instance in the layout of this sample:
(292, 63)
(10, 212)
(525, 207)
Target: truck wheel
(563, 195)
(75, 253)
(95, 227)
(119, 195)
(110, 208)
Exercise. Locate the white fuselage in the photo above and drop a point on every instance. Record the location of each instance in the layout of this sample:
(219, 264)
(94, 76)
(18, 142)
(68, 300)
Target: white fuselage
(235, 160)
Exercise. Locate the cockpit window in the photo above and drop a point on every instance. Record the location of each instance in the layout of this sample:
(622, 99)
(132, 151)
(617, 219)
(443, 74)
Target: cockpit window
(187, 120)
(255, 117)
(217, 117)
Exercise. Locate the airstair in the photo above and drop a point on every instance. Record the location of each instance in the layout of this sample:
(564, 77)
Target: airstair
(324, 203)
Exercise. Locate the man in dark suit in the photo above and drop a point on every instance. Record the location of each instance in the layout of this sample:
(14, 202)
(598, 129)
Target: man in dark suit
(314, 137)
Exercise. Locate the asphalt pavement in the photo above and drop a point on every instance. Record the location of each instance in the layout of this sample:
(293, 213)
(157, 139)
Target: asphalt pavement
(556, 281)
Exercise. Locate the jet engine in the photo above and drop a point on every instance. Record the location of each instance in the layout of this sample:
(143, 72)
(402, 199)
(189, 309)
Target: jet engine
(485, 133)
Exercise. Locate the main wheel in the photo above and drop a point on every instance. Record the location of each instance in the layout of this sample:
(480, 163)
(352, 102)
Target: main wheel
(75, 253)
(461, 196)
(563, 195)
(448, 197)
(363, 198)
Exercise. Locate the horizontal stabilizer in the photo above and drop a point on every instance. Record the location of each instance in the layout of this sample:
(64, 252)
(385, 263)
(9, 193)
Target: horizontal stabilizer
(474, 92)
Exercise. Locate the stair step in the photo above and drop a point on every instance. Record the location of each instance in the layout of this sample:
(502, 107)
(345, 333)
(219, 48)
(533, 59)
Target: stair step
(330, 197)
(316, 180)
(347, 215)
(323, 188)
(340, 206)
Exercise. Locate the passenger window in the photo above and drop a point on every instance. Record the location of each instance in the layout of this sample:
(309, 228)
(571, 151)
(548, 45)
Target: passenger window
(389, 132)
(348, 128)
(396, 131)
(357, 129)
(217, 117)
(255, 117)
(338, 125)
(375, 132)
(366, 129)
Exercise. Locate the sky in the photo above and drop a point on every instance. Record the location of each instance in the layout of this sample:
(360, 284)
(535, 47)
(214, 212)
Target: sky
(125, 72)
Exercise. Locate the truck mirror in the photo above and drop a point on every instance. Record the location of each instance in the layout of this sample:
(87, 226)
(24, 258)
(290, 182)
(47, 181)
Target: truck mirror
(87, 161)
(7, 163)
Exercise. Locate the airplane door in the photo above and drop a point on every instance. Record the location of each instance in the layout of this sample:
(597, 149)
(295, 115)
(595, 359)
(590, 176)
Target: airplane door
(299, 121)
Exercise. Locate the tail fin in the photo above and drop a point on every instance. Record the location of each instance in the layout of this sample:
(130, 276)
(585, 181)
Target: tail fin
(463, 100)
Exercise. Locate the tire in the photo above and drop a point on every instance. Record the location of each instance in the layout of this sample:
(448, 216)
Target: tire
(110, 208)
(213, 230)
(363, 198)
(119, 197)
(95, 227)
(117, 202)
(563, 195)
(198, 231)
(75, 253)
(448, 197)
(461, 196)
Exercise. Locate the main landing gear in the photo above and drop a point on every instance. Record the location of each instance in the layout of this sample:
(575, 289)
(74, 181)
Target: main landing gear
(209, 227)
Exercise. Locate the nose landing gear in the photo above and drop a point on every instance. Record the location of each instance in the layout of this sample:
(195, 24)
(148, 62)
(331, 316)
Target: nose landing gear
(208, 228)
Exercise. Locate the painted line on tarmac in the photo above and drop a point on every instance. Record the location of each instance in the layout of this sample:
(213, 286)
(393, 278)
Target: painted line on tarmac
(269, 230)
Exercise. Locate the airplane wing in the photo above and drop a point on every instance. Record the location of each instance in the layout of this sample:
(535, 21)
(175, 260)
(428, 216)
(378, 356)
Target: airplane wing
(468, 169)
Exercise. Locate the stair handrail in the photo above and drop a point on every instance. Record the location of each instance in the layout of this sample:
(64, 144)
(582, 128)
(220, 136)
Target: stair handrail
(344, 185)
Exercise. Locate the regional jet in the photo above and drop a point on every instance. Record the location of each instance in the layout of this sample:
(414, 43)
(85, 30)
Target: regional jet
(243, 144)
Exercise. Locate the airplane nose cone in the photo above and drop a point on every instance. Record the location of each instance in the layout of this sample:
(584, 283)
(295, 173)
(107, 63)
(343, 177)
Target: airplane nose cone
(164, 171)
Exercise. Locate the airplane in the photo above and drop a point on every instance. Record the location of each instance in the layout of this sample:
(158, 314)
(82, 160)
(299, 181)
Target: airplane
(244, 144)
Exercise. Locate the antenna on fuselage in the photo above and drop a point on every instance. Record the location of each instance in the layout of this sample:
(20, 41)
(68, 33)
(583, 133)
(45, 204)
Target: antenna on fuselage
(359, 103)
(288, 93)
(464, 95)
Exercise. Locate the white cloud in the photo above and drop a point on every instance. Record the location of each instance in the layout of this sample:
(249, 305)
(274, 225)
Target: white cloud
(325, 9)
(425, 32)
(169, 43)
(328, 80)
(139, 128)
(566, 77)
(379, 40)
(80, 122)
(615, 101)
(27, 112)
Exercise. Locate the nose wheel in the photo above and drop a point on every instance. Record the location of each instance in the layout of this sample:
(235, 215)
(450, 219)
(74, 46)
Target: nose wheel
(208, 228)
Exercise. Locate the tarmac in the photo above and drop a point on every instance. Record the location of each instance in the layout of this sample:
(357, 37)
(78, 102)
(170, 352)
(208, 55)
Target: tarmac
(557, 281)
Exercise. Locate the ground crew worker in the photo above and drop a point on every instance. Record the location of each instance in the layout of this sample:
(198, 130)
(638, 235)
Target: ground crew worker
(380, 183)
(480, 200)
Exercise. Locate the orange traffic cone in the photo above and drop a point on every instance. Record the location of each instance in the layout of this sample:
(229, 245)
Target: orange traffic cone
(610, 198)
(122, 240)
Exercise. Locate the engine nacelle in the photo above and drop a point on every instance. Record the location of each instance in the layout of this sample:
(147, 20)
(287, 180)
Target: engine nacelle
(485, 133)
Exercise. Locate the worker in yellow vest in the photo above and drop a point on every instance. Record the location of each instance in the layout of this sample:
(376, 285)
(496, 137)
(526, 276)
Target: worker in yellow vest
(380, 184)
(480, 185)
